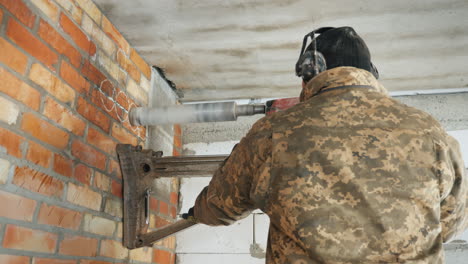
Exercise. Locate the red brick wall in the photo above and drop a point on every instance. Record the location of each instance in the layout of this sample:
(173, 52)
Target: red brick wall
(68, 79)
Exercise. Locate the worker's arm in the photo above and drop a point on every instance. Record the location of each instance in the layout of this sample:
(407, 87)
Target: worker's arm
(228, 197)
(454, 191)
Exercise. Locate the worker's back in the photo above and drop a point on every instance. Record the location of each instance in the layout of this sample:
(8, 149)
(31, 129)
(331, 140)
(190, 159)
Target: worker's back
(347, 176)
(357, 177)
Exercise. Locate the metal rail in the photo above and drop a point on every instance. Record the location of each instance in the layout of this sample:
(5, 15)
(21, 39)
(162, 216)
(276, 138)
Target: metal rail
(187, 166)
(149, 238)
(139, 168)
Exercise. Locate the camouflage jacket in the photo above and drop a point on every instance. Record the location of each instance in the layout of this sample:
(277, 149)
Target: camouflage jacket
(349, 175)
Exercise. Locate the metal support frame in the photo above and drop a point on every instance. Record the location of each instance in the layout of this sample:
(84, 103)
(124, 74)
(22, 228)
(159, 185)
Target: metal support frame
(139, 168)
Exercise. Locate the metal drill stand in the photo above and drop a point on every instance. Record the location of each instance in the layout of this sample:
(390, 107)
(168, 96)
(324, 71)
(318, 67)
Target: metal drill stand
(139, 168)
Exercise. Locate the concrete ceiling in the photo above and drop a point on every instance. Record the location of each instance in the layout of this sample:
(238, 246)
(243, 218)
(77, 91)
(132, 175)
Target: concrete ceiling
(218, 50)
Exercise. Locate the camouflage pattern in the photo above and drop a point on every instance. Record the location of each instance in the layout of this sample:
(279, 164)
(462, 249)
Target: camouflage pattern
(349, 175)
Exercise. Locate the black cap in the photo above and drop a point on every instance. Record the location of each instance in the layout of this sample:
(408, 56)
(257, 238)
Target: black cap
(343, 47)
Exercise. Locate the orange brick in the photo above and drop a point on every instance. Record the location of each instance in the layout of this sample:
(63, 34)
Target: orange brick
(16, 207)
(44, 131)
(114, 207)
(113, 249)
(101, 141)
(177, 130)
(83, 174)
(127, 125)
(22, 238)
(78, 246)
(152, 224)
(102, 182)
(88, 155)
(175, 152)
(153, 204)
(115, 35)
(48, 8)
(73, 78)
(94, 262)
(39, 155)
(91, 9)
(140, 63)
(114, 168)
(163, 208)
(57, 216)
(174, 198)
(161, 222)
(19, 90)
(83, 196)
(103, 101)
(122, 135)
(31, 44)
(36, 181)
(137, 92)
(104, 42)
(144, 254)
(93, 114)
(20, 11)
(53, 261)
(108, 86)
(77, 35)
(125, 101)
(98, 225)
(64, 117)
(71, 7)
(162, 256)
(168, 242)
(51, 83)
(117, 189)
(173, 211)
(108, 105)
(92, 73)
(63, 165)
(9, 259)
(12, 57)
(177, 141)
(60, 44)
(128, 66)
(11, 142)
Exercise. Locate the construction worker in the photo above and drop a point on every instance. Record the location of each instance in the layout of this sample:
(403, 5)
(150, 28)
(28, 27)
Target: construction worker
(349, 175)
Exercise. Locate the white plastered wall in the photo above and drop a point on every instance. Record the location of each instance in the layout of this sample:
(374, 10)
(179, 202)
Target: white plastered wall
(227, 245)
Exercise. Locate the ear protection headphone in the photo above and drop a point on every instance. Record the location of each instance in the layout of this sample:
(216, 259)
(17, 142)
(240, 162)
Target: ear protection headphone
(311, 62)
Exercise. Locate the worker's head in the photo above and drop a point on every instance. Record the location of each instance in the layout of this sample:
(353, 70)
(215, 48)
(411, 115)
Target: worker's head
(331, 48)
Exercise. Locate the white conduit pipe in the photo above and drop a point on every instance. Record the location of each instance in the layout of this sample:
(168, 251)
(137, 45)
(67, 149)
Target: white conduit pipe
(192, 113)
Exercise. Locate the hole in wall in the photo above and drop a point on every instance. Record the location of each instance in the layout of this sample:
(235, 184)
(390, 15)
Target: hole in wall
(146, 167)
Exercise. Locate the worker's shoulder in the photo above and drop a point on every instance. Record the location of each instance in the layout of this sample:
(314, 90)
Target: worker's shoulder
(281, 118)
(263, 126)
(273, 122)
(415, 116)
(423, 122)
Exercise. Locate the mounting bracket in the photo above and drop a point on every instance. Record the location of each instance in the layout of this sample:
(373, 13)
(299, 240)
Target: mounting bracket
(139, 168)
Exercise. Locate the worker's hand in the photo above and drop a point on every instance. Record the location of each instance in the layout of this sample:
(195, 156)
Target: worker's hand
(189, 215)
